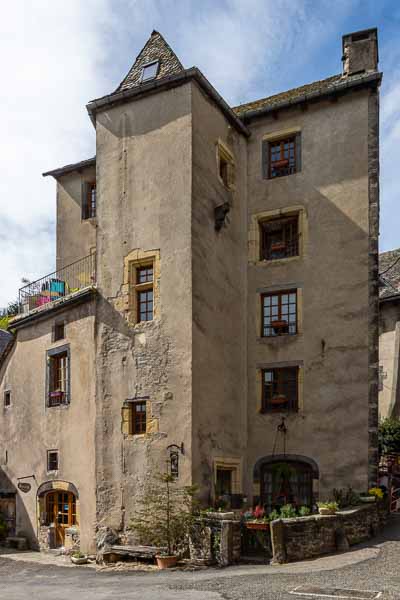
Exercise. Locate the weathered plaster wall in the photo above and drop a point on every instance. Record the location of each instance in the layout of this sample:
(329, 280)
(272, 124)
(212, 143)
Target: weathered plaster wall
(333, 272)
(389, 346)
(144, 205)
(28, 428)
(219, 296)
(76, 237)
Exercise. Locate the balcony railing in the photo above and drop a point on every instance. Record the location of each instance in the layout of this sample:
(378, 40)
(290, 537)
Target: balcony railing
(61, 283)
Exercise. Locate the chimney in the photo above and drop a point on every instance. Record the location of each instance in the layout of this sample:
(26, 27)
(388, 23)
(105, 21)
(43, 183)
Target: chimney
(360, 52)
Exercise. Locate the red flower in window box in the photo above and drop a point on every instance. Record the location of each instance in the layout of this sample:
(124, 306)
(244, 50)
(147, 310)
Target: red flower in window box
(279, 324)
(278, 246)
(279, 164)
(278, 399)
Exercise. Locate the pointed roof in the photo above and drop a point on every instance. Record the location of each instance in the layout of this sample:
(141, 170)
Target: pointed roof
(156, 48)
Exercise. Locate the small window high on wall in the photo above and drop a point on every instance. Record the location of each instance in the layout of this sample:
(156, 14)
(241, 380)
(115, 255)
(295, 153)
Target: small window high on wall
(88, 200)
(282, 156)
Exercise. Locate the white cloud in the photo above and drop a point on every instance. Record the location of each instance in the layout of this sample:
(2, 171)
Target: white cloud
(51, 66)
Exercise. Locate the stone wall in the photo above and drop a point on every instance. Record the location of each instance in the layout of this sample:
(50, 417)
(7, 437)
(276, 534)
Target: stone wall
(309, 537)
(216, 539)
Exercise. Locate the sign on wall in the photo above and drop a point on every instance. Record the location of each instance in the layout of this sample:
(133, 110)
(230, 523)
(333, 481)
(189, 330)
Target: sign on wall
(24, 487)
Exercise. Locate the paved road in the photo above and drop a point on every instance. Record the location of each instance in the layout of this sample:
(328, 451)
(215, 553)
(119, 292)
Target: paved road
(380, 571)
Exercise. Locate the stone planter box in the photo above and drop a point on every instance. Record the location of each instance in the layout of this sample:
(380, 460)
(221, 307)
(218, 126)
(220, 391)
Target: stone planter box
(79, 561)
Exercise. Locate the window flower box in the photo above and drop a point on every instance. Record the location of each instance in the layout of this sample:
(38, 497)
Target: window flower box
(57, 395)
(278, 400)
(278, 246)
(279, 324)
(280, 164)
(257, 525)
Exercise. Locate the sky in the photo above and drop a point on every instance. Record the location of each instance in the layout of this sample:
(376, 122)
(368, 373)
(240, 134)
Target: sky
(55, 56)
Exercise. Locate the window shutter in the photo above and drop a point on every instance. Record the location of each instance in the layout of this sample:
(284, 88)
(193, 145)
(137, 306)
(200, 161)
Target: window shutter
(298, 152)
(126, 420)
(265, 159)
(85, 199)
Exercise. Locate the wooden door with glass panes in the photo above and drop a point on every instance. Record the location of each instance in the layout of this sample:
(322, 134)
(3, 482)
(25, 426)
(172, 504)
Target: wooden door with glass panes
(61, 510)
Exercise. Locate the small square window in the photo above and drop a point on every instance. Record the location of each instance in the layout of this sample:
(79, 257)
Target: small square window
(59, 331)
(150, 71)
(52, 460)
(7, 398)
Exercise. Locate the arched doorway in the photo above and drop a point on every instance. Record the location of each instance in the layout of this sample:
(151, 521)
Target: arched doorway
(60, 513)
(58, 510)
(285, 479)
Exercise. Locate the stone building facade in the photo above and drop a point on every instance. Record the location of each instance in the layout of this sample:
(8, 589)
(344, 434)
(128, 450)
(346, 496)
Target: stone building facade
(214, 307)
(389, 334)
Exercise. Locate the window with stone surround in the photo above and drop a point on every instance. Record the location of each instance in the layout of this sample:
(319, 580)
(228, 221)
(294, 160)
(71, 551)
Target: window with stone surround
(282, 156)
(144, 276)
(227, 482)
(279, 313)
(135, 417)
(280, 237)
(280, 389)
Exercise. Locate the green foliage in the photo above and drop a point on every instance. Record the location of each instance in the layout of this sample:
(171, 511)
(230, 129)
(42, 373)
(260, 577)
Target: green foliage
(78, 555)
(273, 515)
(4, 320)
(288, 512)
(304, 511)
(346, 497)
(166, 513)
(389, 435)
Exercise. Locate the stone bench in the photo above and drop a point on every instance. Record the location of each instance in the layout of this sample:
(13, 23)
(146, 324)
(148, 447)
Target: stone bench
(113, 553)
(17, 542)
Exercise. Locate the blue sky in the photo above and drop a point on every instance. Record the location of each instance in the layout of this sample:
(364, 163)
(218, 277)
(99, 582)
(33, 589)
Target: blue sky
(63, 54)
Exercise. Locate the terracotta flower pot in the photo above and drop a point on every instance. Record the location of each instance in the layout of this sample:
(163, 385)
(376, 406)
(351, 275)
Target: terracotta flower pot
(166, 562)
(79, 561)
(326, 511)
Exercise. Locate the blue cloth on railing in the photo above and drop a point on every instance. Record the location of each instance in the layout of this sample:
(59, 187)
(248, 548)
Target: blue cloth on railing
(56, 285)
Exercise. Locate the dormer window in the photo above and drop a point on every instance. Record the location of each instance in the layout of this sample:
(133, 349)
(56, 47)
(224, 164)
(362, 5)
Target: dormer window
(150, 71)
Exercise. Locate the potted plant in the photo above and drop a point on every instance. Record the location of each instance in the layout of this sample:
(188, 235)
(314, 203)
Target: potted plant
(327, 508)
(78, 558)
(279, 324)
(374, 494)
(165, 517)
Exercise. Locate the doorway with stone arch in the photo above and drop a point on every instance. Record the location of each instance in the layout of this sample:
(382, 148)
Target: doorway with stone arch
(58, 509)
(285, 479)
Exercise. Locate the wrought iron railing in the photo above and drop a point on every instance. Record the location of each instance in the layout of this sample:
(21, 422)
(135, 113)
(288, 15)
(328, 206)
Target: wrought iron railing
(61, 283)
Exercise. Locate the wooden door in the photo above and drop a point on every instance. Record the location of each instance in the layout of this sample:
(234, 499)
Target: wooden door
(7, 510)
(61, 510)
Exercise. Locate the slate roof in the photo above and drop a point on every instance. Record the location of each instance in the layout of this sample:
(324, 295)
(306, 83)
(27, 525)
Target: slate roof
(89, 162)
(389, 273)
(310, 91)
(156, 48)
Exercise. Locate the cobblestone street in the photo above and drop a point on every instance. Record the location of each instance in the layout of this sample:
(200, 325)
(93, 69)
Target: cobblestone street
(369, 568)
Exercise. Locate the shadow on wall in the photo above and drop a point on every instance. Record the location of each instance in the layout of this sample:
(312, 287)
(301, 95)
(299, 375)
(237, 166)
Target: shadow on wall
(13, 510)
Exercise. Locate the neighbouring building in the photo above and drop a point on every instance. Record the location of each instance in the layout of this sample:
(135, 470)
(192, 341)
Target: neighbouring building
(389, 334)
(214, 306)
